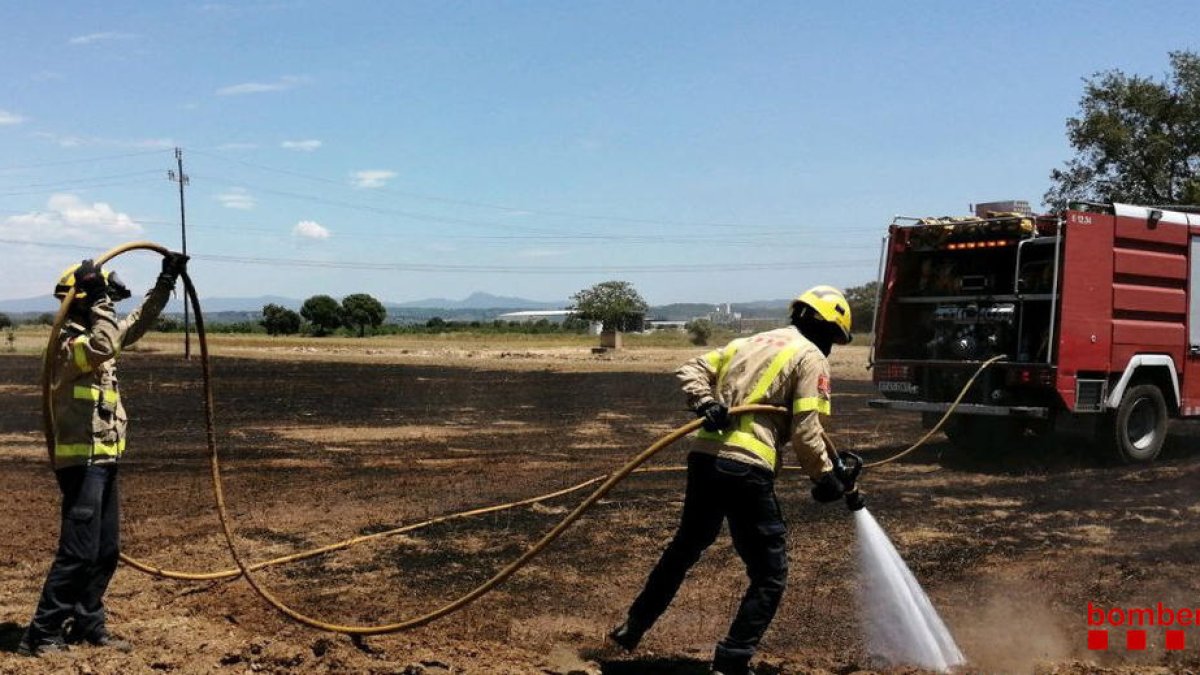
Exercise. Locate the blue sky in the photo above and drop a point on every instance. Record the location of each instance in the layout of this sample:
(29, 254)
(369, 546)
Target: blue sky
(703, 151)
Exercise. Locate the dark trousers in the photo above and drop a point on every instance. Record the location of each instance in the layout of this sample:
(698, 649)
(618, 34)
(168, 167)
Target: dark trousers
(719, 490)
(88, 544)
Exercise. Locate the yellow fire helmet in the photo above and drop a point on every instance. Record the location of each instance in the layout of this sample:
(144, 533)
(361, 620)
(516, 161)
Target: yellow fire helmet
(829, 303)
(67, 281)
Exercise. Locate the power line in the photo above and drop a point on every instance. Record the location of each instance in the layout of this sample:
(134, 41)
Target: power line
(484, 205)
(86, 160)
(76, 187)
(67, 182)
(768, 237)
(565, 239)
(376, 209)
(548, 269)
(493, 269)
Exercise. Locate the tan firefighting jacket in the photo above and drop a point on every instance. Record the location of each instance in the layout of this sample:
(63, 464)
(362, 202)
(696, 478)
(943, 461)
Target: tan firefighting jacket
(780, 368)
(89, 418)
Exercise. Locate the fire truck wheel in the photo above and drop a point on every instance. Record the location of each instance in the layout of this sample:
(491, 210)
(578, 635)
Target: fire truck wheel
(1140, 424)
(986, 435)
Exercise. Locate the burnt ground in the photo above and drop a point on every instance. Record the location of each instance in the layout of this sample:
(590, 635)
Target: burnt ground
(1011, 548)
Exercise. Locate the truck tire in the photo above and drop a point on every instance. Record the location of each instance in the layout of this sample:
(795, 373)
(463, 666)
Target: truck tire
(982, 435)
(1139, 425)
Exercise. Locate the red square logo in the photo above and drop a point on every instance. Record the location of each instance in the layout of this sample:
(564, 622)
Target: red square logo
(823, 385)
(1175, 640)
(1135, 640)
(1097, 640)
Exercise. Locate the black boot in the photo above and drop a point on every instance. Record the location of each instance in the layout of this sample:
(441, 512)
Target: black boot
(727, 665)
(100, 637)
(627, 636)
(39, 645)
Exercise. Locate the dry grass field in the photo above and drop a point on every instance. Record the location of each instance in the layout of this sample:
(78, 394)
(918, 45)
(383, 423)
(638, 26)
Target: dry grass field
(326, 439)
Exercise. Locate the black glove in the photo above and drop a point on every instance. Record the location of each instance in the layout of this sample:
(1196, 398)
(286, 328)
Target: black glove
(117, 290)
(174, 264)
(89, 281)
(828, 488)
(716, 416)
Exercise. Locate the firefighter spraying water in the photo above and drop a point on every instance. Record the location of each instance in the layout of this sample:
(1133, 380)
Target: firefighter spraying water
(750, 398)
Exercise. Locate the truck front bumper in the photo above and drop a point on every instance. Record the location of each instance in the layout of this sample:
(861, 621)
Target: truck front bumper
(1031, 412)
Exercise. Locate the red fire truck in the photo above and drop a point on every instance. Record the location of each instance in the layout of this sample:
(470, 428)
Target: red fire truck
(1096, 311)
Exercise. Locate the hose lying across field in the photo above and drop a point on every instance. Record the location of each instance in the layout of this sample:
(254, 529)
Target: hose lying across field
(606, 483)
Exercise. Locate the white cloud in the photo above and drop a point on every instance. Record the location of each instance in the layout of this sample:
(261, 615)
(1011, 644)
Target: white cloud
(9, 118)
(301, 146)
(238, 146)
(282, 84)
(105, 36)
(71, 141)
(68, 217)
(236, 198)
(372, 178)
(310, 229)
(61, 140)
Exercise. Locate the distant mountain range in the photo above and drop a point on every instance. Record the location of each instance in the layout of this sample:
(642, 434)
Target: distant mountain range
(478, 305)
(477, 300)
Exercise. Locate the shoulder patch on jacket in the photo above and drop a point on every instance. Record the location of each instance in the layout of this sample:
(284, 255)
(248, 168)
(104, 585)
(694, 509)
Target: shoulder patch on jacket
(823, 385)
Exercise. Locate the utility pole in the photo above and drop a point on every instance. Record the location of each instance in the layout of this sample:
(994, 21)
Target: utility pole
(181, 178)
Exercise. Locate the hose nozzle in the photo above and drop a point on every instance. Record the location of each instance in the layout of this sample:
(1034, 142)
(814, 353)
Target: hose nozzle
(848, 466)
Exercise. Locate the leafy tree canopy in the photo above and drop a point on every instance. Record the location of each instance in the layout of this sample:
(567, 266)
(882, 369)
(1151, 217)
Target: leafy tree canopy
(1136, 139)
(700, 331)
(279, 320)
(616, 304)
(360, 310)
(323, 313)
(862, 305)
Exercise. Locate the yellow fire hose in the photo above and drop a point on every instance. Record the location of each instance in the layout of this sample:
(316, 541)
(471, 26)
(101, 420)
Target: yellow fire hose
(607, 482)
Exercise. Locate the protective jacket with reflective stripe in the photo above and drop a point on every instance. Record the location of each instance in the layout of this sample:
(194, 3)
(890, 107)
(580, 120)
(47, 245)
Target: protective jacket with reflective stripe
(780, 368)
(89, 417)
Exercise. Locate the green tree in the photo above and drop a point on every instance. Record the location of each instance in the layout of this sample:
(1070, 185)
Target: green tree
(699, 331)
(279, 320)
(167, 324)
(862, 306)
(45, 319)
(360, 310)
(436, 322)
(323, 314)
(1136, 139)
(616, 304)
(5, 321)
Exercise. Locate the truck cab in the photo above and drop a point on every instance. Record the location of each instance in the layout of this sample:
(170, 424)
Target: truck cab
(1092, 315)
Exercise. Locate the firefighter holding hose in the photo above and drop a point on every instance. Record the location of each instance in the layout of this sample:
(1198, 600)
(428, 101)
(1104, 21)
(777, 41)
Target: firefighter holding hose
(731, 471)
(89, 426)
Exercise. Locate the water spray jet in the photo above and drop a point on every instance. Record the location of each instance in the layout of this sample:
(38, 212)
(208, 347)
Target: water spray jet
(901, 625)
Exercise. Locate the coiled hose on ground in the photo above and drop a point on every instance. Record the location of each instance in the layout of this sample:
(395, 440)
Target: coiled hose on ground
(606, 483)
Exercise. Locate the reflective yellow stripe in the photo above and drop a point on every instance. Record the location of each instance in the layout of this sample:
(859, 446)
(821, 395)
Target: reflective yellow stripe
(77, 348)
(744, 440)
(810, 403)
(726, 357)
(80, 450)
(713, 359)
(768, 377)
(743, 436)
(93, 394)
